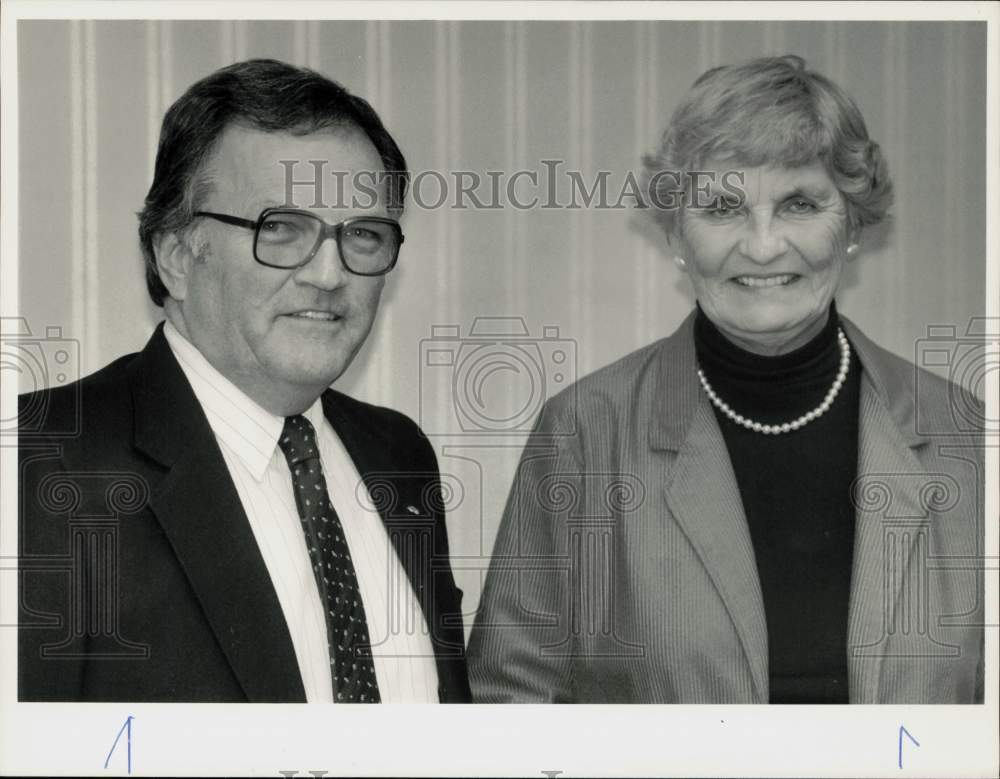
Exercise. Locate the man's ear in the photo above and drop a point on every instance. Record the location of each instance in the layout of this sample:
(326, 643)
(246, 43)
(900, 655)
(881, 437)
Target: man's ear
(174, 261)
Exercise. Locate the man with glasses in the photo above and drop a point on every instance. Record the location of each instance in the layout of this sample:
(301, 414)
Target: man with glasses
(264, 537)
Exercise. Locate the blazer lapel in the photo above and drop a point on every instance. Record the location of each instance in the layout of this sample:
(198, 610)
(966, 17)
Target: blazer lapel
(703, 497)
(200, 511)
(375, 461)
(412, 536)
(891, 517)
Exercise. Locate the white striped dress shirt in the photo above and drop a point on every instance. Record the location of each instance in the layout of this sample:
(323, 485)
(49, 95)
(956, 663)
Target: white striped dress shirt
(248, 436)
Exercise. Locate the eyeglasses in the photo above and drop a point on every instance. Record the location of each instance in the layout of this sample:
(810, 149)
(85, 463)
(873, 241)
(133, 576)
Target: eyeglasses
(288, 238)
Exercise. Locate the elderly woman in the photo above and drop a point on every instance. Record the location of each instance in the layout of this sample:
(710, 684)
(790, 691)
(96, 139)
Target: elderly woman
(761, 507)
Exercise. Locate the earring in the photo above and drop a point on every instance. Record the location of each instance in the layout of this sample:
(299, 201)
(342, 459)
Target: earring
(679, 262)
(851, 249)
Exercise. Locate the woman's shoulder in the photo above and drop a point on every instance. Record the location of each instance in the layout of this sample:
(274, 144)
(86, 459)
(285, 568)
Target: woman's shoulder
(622, 387)
(625, 372)
(940, 405)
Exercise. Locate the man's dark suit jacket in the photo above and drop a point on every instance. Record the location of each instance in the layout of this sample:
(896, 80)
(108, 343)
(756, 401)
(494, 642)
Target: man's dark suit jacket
(140, 576)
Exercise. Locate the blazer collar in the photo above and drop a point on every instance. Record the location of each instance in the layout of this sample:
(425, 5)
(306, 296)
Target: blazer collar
(248, 430)
(702, 495)
(892, 379)
(168, 417)
(212, 538)
(678, 393)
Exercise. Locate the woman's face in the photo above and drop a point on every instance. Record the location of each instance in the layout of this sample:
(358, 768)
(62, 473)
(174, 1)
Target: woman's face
(765, 270)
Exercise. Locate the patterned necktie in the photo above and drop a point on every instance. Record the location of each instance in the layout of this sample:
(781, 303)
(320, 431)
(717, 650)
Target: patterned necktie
(347, 630)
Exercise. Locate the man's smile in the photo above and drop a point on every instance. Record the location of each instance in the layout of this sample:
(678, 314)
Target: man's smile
(316, 315)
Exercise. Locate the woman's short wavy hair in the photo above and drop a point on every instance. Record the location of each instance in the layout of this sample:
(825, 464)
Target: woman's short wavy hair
(772, 112)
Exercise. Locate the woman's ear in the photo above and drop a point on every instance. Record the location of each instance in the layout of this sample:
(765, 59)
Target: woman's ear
(174, 260)
(676, 245)
(853, 244)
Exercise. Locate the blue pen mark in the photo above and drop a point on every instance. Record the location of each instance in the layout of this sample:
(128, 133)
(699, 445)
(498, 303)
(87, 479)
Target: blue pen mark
(909, 735)
(127, 729)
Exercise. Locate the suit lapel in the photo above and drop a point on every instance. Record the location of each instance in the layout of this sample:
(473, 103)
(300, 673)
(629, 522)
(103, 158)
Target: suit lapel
(703, 497)
(889, 515)
(375, 462)
(420, 553)
(201, 514)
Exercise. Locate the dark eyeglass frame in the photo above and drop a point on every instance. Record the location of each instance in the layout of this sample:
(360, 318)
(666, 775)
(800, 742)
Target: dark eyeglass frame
(334, 231)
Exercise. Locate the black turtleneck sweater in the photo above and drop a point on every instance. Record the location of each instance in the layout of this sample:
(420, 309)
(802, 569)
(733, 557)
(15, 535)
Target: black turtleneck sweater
(796, 491)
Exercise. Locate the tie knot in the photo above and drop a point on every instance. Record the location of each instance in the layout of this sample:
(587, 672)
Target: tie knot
(298, 440)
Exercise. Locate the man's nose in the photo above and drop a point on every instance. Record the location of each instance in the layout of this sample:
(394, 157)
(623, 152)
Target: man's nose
(326, 269)
(762, 242)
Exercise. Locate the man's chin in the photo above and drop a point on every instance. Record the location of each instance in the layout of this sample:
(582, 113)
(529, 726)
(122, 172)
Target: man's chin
(307, 376)
(313, 360)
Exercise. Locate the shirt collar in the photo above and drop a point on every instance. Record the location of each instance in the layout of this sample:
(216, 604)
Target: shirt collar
(247, 429)
(315, 415)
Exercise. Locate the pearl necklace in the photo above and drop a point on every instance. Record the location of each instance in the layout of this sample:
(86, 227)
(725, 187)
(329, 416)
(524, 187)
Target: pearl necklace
(787, 427)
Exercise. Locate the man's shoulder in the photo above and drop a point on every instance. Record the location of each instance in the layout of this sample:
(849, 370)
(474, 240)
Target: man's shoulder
(67, 410)
(377, 426)
(380, 417)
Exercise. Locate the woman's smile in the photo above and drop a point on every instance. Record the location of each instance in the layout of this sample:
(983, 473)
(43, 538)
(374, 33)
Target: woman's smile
(756, 282)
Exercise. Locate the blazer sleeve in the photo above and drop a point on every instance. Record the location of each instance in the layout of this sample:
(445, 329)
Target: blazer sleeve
(521, 645)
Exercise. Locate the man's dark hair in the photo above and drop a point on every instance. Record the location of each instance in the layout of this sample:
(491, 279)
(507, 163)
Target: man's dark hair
(259, 94)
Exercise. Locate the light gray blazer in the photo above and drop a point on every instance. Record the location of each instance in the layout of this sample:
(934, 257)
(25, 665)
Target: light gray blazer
(624, 569)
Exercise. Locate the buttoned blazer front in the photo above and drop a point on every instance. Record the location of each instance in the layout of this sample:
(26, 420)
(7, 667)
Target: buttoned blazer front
(624, 570)
(140, 576)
